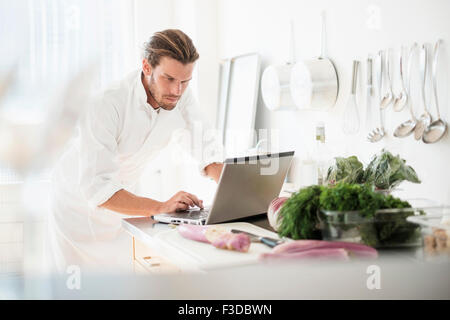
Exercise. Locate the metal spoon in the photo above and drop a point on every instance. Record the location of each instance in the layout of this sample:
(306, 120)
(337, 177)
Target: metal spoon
(388, 97)
(437, 129)
(401, 100)
(378, 133)
(407, 127)
(425, 119)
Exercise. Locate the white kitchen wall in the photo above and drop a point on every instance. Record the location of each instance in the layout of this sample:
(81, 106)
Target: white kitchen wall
(352, 33)
(198, 19)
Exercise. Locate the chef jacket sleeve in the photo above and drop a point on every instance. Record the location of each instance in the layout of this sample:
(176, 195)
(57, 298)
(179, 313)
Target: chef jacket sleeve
(211, 150)
(98, 165)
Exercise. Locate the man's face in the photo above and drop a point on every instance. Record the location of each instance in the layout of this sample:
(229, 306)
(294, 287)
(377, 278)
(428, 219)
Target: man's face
(167, 81)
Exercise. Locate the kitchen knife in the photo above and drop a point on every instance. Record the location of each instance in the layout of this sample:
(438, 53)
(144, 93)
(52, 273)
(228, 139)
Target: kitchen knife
(271, 242)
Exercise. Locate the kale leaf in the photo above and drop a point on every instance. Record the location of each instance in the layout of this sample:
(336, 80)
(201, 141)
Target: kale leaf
(386, 171)
(349, 170)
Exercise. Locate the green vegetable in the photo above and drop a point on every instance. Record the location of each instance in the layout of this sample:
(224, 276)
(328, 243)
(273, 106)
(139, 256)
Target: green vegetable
(386, 171)
(351, 197)
(361, 197)
(349, 170)
(356, 207)
(299, 214)
(380, 228)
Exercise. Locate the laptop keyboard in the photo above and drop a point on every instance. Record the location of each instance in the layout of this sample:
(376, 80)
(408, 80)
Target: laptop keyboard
(191, 214)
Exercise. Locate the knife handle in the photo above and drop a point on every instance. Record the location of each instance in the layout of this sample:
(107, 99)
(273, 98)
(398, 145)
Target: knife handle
(270, 242)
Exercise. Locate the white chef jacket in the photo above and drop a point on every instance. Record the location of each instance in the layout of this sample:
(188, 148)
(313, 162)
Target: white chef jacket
(117, 137)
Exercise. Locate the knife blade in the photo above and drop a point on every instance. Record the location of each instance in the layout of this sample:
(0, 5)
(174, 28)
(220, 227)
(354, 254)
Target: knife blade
(270, 242)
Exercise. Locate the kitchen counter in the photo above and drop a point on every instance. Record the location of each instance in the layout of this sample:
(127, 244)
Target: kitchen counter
(157, 247)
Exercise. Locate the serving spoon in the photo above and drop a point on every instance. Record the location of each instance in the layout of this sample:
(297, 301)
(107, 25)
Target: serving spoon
(425, 119)
(437, 129)
(388, 97)
(401, 100)
(407, 127)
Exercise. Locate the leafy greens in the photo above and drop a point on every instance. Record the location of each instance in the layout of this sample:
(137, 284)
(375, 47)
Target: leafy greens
(301, 214)
(349, 170)
(385, 171)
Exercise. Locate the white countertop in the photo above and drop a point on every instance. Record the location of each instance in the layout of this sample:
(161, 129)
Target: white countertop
(193, 256)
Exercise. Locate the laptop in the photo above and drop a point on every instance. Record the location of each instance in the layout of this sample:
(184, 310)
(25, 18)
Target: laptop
(246, 187)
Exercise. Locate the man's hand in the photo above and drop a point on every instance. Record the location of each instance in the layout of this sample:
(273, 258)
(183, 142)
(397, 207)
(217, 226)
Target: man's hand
(179, 202)
(214, 171)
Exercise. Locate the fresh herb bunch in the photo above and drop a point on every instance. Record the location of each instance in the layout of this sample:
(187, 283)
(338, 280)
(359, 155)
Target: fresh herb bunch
(361, 197)
(299, 214)
(385, 229)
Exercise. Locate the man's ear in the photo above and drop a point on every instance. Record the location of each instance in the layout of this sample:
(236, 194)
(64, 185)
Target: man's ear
(146, 67)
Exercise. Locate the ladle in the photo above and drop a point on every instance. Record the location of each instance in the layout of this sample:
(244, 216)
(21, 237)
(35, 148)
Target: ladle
(425, 119)
(407, 127)
(437, 129)
(388, 97)
(401, 100)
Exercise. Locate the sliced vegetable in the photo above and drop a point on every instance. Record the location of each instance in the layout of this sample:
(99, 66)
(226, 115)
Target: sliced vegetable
(218, 236)
(232, 241)
(358, 250)
(193, 232)
(213, 233)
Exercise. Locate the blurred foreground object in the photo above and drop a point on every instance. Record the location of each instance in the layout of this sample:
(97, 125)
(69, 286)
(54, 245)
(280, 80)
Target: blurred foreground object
(6, 80)
(34, 146)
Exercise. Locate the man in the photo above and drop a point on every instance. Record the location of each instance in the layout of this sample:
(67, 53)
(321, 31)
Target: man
(122, 131)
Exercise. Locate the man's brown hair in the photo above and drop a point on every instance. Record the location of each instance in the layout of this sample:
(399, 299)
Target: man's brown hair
(172, 43)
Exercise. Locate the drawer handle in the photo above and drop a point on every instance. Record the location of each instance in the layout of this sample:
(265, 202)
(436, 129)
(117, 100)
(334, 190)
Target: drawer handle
(152, 262)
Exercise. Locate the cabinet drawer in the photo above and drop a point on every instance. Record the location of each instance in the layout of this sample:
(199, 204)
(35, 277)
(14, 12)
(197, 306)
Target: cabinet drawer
(145, 260)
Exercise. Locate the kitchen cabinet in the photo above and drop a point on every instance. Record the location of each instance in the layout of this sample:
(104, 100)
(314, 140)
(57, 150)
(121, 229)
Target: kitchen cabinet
(146, 260)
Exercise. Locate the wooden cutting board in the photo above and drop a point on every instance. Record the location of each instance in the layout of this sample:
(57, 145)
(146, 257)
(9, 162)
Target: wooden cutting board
(209, 257)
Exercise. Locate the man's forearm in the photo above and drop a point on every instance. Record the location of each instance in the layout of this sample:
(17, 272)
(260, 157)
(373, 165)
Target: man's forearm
(127, 203)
